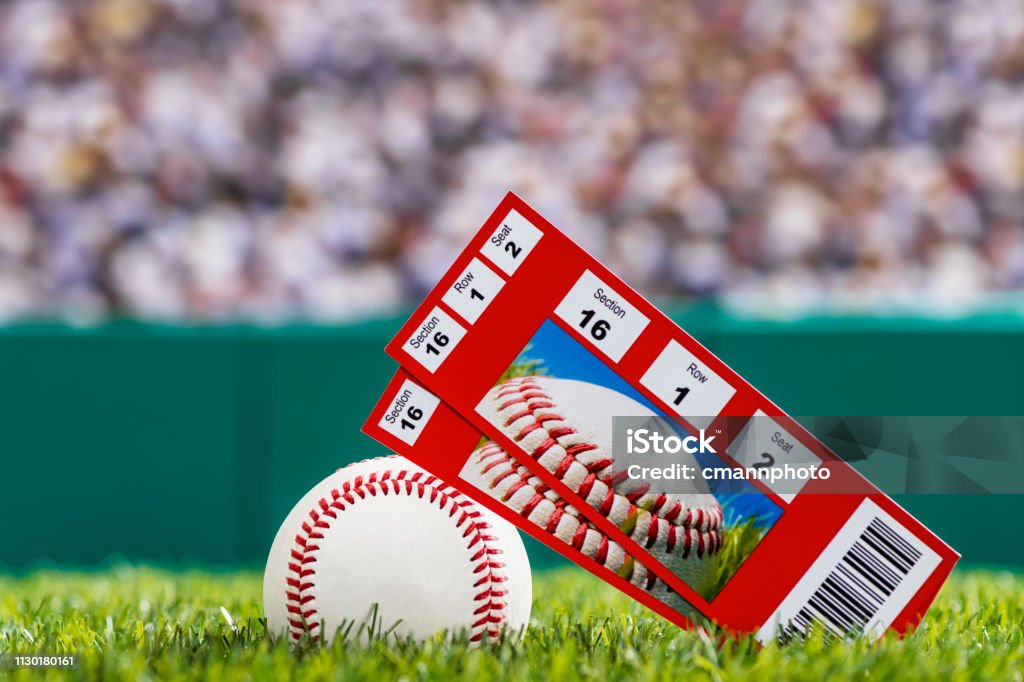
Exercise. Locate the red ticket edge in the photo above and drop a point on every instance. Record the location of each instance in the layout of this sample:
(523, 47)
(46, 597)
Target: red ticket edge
(443, 444)
(533, 278)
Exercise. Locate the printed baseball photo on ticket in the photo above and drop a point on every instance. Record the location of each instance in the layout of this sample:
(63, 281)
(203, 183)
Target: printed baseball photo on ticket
(659, 444)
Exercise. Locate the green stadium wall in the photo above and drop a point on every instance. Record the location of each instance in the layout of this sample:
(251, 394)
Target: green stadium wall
(190, 444)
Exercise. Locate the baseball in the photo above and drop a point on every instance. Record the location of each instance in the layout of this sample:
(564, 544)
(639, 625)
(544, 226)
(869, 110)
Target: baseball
(566, 426)
(383, 544)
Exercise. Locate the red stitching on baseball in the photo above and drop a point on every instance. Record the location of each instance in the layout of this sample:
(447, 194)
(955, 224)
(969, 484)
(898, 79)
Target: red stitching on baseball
(488, 617)
(498, 457)
(513, 489)
(602, 551)
(579, 536)
(587, 484)
(539, 451)
(532, 504)
(491, 456)
(538, 404)
(580, 448)
(518, 415)
(563, 467)
(652, 535)
(552, 524)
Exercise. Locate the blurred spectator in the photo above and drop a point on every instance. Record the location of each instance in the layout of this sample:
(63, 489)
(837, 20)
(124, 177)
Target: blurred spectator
(217, 159)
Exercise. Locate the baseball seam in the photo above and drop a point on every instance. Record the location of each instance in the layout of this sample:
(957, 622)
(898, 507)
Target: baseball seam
(489, 614)
(675, 528)
(519, 489)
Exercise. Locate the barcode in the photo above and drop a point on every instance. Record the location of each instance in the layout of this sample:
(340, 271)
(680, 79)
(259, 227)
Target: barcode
(853, 593)
(859, 584)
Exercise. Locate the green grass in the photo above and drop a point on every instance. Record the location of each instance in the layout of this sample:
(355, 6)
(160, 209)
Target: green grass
(740, 542)
(142, 623)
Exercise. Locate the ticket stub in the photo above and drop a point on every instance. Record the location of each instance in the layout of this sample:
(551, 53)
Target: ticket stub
(572, 373)
(414, 423)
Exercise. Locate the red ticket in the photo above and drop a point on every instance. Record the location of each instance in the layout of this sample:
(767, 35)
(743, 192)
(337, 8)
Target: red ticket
(549, 355)
(417, 425)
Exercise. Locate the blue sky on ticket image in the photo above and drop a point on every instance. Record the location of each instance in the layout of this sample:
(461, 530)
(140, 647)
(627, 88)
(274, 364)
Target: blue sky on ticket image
(566, 358)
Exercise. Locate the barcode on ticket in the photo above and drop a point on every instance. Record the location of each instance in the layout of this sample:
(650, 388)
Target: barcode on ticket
(860, 583)
(857, 588)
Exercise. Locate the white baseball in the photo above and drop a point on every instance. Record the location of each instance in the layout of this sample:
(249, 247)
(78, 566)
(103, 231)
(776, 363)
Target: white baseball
(566, 426)
(384, 540)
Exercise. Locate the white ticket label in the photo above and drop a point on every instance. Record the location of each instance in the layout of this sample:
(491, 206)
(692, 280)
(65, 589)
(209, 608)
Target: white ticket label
(409, 412)
(510, 244)
(687, 385)
(435, 339)
(601, 315)
(764, 443)
(473, 291)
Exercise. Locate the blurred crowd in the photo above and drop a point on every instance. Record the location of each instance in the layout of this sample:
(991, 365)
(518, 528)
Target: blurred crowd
(324, 159)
